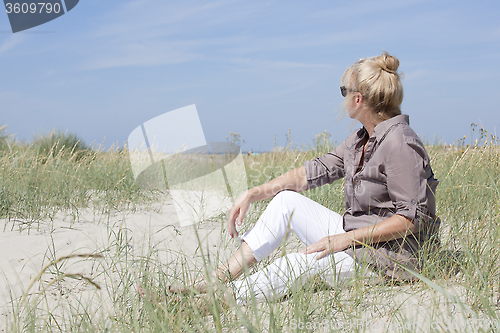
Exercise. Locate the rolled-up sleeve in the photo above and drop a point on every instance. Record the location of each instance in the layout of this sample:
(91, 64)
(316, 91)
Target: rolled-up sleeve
(407, 168)
(325, 169)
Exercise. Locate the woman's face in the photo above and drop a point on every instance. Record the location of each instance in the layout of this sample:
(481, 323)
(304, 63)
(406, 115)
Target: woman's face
(351, 103)
(351, 99)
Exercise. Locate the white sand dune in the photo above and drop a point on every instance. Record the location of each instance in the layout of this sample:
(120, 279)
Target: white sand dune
(24, 252)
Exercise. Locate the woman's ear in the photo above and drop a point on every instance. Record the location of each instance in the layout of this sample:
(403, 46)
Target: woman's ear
(358, 99)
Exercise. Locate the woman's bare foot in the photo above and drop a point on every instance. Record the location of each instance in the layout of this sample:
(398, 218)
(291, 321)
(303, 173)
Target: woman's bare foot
(242, 259)
(151, 296)
(199, 285)
(146, 294)
(216, 301)
(204, 304)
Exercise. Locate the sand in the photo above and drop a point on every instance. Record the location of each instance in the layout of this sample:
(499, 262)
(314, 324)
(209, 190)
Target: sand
(24, 251)
(133, 234)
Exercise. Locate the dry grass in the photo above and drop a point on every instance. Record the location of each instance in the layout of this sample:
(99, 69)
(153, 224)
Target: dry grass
(457, 290)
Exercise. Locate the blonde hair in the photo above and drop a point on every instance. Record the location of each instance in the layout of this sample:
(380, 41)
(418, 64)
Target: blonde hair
(377, 79)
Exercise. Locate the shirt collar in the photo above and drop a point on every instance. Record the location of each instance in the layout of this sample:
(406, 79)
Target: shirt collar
(384, 126)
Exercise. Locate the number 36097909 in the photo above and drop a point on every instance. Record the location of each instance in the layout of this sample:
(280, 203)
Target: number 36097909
(32, 8)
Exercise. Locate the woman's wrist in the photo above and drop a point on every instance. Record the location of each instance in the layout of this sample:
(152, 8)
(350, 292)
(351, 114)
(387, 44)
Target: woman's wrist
(392, 228)
(352, 240)
(261, 192)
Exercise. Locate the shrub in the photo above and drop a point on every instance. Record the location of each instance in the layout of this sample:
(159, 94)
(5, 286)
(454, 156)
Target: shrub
(4, 139)
(58, 144)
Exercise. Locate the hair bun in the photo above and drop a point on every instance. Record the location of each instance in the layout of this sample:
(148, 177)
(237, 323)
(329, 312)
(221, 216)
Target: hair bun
(378, 81)
(387, 63)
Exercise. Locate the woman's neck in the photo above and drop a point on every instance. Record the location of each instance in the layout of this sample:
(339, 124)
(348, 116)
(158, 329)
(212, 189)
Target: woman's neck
(369, 121)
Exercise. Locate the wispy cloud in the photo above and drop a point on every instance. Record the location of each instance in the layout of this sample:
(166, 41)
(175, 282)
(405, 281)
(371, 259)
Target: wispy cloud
(141, 54)
(359, 8)
(11, 42)
(155, 18)
(277, 64)
(259, 43)
(158, 33)
(212, 32)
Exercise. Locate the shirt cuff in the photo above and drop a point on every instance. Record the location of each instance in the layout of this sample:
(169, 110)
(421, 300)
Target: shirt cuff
(407, 209)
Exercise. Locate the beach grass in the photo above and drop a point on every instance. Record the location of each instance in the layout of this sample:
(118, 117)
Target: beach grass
(56, 173)
(457, 291)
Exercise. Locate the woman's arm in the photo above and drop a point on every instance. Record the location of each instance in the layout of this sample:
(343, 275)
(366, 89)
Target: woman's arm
(397, 226)
(294, 180)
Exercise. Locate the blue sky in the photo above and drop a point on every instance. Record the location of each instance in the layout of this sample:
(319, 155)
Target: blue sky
(258, 68)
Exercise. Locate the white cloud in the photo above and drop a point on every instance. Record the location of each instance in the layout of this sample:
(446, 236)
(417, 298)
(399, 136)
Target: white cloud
(259, 43)
(141, 54)
(151, 33)
(359, 8)
(11, 42)
(152, 19)
(277, 64)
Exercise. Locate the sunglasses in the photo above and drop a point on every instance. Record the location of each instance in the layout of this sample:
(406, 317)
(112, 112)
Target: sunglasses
(344, 91)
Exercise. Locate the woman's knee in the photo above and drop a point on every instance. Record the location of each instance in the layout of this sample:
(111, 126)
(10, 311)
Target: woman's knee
(284, 202)
(287, 194)
(286, 198)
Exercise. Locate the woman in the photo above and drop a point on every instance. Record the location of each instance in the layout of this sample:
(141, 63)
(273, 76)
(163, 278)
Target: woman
(389, 197)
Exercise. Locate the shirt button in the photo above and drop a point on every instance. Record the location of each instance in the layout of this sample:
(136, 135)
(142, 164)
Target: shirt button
(413, 202)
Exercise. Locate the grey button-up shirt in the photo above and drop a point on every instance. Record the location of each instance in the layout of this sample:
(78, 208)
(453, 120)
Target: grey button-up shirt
(394, 178)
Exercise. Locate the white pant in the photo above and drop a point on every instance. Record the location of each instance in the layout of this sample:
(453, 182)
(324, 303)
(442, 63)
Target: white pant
(310, 222)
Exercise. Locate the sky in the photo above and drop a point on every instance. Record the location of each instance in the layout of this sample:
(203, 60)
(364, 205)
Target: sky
(262, 69)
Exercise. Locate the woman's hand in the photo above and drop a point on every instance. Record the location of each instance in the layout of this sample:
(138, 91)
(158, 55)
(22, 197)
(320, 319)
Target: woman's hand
(330, 244)
(237, 213)
(294, 180)
(396, 226)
